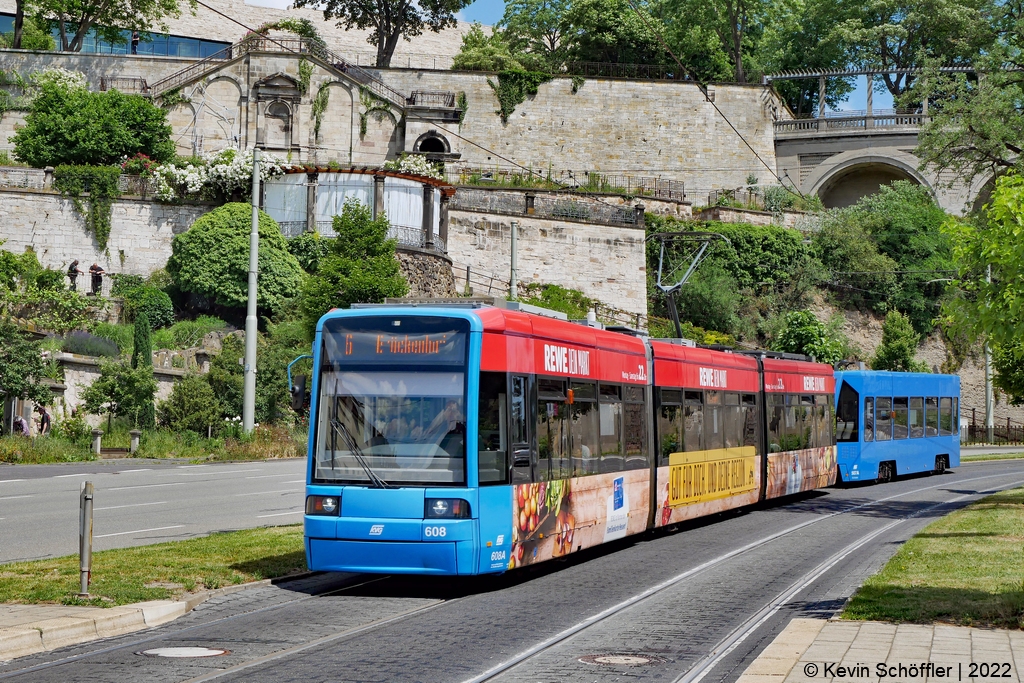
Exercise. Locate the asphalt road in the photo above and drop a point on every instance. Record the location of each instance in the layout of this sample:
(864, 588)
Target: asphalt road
(141, 502)
(699, 603)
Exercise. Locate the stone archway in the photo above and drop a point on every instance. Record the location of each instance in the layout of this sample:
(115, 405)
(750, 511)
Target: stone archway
(842, 180)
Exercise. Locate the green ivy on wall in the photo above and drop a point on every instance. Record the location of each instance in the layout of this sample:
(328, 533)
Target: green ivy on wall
(100, 182)
(371, 105)
(577, 83)
(173, 97)
(319, 107)
(305, 73)
(463, 104)
(513, 87)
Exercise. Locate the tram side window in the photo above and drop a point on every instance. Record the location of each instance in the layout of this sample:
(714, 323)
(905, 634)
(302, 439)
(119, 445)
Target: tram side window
(733, 420)
(869, 419)
(635, 435)
(552, 430)
(956, 414)
(945, 416)
(900, 424)
(670, 425)
(915, 418)
(518, 433)
(586, 428)
(693, 423)
(823, 412)
(931, 416)
(748, 402)
(848, 414)
(883, 419)
(714, 428)
(804, 433)
(492, 463)
(776, 421)
(611, 427)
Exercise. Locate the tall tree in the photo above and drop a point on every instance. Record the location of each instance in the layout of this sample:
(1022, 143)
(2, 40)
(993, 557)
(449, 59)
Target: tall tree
(75, 18)
(616, 31)
(899, 345)
(738, 25)
(142, 357)
(21, 366)
(976, 128)
(537, 27)
(389, 19)
(905, 34)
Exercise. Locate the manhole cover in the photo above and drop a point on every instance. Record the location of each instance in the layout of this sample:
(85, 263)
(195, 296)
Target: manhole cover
(621, 660)
(184, 652)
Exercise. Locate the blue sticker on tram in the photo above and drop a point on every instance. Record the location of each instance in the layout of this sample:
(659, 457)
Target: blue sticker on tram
(617, 501)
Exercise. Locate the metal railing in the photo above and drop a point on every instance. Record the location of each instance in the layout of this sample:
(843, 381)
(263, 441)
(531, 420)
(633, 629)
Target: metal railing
(858, 121)
(125, 84)
(432, 98)
(405, 235)
(653, 72)
(1005, 431)
(258, 43)
(593, 182)
(27, 178)
(554, 207)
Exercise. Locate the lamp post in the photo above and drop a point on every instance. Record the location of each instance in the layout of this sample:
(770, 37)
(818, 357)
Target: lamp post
(249, 374)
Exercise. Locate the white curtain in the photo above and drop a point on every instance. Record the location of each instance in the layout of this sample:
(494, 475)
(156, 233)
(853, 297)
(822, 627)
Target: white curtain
(284, 199)
(403, 202)
(336, 188)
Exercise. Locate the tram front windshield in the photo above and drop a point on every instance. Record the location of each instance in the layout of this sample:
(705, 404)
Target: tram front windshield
(391, 408)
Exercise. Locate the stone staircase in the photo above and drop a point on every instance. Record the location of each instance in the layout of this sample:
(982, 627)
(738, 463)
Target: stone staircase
(257, 43)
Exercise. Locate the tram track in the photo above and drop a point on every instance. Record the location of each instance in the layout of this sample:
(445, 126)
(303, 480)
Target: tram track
(697, 672)
(706, 664)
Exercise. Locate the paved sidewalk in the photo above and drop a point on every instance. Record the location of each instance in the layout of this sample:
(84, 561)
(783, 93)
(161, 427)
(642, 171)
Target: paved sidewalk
(28, 629)
(820, 651)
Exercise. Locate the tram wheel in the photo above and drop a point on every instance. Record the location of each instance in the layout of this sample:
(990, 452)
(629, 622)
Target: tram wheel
(940, 464)
(885, 472)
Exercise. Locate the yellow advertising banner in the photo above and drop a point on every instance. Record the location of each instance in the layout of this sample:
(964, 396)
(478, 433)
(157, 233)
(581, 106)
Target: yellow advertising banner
(700, 476)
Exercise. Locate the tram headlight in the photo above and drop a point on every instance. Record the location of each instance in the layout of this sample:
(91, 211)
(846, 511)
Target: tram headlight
(327, 506)
(445, 508)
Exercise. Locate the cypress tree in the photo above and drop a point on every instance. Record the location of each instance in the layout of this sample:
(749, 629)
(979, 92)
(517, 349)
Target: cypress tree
(142, 357)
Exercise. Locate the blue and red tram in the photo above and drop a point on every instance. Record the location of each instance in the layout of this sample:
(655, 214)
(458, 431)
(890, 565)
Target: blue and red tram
(470, 440)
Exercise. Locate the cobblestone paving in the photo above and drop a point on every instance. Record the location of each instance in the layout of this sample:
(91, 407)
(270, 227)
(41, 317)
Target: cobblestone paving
(479, 623)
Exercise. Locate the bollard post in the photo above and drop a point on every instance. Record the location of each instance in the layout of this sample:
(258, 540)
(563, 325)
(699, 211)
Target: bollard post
(134, 445)
(85, 538)
(97, 435)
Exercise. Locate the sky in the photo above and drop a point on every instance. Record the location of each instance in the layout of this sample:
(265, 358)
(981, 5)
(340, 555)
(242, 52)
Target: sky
(489, 12)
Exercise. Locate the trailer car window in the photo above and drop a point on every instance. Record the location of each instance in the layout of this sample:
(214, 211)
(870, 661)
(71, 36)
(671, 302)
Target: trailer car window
(776, 421)
(883, 419)
(693, 423)
(670, 432)
(847, 414)
(915, 418)
(869, 419)
(750, 422)
(714, 428)
(931, 410)
(945, 416)
(900, 424)
(956, 414)
(635, 417)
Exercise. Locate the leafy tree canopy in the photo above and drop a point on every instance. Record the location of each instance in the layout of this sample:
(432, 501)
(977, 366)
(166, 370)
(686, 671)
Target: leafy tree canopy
(192, 406)
(21, 366)
(71, 125)
(899, 346)
(389, 20)
(611, 31)
(211, 259)
(487, 52)
(803, 333)
(121, 391)
(75, 18)
(537, 27)
(34, 36)
(359, 268)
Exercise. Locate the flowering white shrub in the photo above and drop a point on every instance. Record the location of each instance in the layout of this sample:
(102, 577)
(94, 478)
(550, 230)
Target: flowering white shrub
(415, 164)
(59, 77)
(216, 174)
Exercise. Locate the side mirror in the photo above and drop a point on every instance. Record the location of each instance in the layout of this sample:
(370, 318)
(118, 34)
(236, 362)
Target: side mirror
(299, 393)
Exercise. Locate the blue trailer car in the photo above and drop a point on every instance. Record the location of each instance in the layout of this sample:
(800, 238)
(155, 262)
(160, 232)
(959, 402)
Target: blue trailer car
(896, 423)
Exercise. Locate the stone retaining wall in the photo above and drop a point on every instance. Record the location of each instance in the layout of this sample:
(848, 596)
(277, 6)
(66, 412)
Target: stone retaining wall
(429, 274)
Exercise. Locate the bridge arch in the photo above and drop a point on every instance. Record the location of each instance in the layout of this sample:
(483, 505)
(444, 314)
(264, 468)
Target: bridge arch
(842, 179)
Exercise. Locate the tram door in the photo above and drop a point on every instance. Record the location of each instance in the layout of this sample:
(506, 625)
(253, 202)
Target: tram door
(520, 441)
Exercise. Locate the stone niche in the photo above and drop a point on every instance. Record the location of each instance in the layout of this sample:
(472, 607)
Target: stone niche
(278, 122)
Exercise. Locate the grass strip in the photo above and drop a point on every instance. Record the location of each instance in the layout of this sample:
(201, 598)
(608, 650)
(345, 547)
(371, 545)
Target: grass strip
(966, 568)
(159, 572)
(991, 456)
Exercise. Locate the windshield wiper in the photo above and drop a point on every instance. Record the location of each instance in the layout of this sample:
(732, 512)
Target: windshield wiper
(340, 428)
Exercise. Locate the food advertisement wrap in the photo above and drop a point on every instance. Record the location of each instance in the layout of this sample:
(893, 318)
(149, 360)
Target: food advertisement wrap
(555, 518)
(699, 483)
(795, 471)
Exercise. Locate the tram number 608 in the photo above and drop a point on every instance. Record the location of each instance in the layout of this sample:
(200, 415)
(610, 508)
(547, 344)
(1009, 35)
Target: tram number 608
(435, 531)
